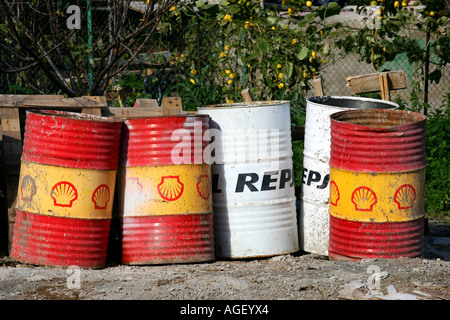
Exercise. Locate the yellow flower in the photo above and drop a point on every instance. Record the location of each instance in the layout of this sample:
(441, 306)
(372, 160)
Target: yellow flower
(232, 76)
(294, 41)
(227, 47)
(280, 75)
(284, 2)
(173, 8)
(431, 13)
(290, 11)
(280, 85)
(396, 4)
(308, 3)
(222, 54)
(227, 71)
(194, 71)
(313, 70)
(230, 81)
(313, 54)
(192, 80)
(273, 28)
(230, 101)
(227, 17)
(324, 61)
(279, 66)
(404, 3)
(310, 59)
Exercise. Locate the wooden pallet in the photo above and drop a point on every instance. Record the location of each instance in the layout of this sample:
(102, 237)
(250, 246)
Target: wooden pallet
(12, 114)
(383, 82)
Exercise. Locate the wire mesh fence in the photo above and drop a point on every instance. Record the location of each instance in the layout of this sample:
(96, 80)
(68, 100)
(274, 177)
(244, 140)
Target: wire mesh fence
(140, 80)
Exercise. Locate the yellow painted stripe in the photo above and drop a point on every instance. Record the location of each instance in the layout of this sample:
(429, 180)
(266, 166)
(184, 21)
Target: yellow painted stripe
(66, 192)
(165, 190)
(377, 197)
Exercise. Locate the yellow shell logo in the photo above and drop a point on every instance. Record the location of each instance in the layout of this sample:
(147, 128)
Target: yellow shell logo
(101, 196)
(170, 188)
(334, 193)
(64, 194)
(204, 186)
(364, 199)
(28, 188)
(405, 196)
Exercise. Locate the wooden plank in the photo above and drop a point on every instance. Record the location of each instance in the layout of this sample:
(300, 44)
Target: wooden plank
(318, 87)
(247, 95)
(118, 112)
(367, 83)
(13, 100)
(171, 106)
(146, 103)
(384, 87)
(50, 101)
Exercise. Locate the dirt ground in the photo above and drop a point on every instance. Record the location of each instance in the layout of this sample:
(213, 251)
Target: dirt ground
(298, 276)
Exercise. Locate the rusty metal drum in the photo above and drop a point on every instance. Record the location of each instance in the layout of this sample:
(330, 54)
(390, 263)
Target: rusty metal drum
(314, 199)
(253, 183)
(165, 202)
(66, 189)
(377, 184)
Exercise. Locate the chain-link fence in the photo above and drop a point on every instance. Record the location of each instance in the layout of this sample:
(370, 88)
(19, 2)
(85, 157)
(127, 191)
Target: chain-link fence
(140, 78)
(334, 74)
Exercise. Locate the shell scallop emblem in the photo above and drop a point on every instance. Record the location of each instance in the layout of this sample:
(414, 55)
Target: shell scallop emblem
(101, 196)
(204, 186)
(64, 194)
(28, 188)
(364, 199)
(405, 196)
(170, 188)
(334, 193)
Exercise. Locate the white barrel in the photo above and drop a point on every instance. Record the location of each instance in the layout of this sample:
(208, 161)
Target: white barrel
(314, 201)
(253, 183)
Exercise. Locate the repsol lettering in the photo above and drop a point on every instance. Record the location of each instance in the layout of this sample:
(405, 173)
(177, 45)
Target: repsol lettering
(313, 177)
(270, 181)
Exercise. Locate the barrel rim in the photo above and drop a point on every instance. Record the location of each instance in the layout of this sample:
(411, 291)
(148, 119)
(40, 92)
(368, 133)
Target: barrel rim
(73, 116)
(319, 102)
(244, 105)
(416, 119)
(143, 117)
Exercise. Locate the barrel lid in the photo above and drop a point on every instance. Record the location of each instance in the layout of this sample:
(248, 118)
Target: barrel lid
(176, 116)
(378, 119)
(72, 115)
(350, 102)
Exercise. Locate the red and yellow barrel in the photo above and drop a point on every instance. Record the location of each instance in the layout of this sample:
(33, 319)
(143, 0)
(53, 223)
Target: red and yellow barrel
(377, 184)
(66, 189)
(165, 199)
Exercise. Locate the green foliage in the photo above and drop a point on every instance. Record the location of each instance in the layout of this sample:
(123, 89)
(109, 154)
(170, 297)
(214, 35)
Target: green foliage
(437, 186)
(236, 45)
(197, 92)
(130, 87)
